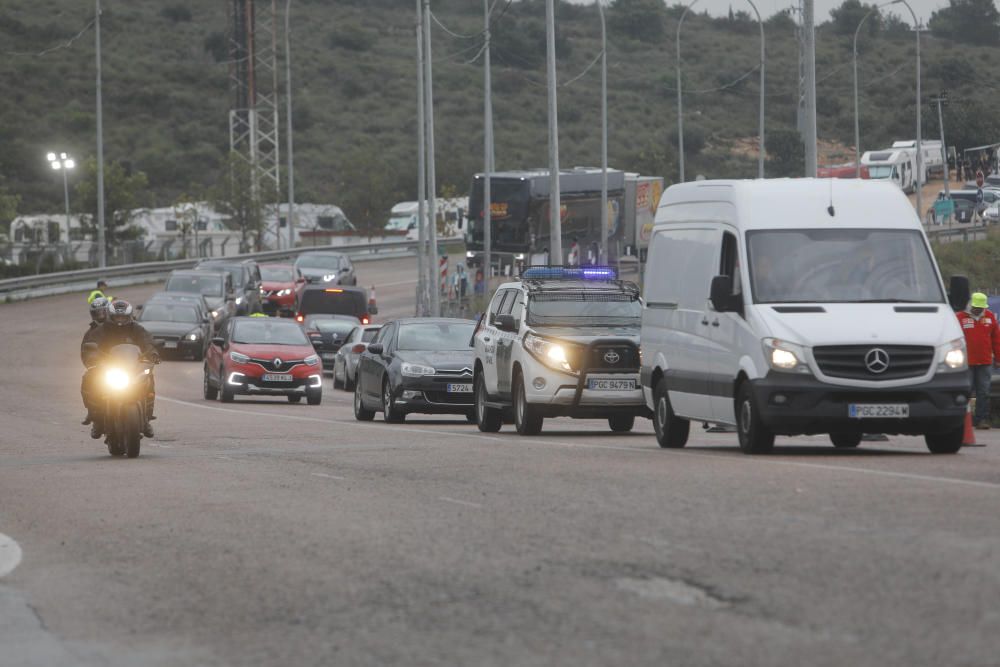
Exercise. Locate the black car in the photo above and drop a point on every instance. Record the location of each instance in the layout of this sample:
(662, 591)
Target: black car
(246, 281)
(215, 286)
(326, 267)
(177, 328)
(328, 333)
(417, 365)
(196, 300)
(320, 300)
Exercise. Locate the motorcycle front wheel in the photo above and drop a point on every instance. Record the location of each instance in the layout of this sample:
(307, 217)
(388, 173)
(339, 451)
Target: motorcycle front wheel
(131, 429)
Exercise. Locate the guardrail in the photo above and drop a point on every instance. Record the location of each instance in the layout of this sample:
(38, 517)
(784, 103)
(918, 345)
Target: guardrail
(952, 233)
(62, 282)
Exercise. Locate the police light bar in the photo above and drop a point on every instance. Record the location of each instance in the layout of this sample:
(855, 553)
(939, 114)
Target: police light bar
(570, 273)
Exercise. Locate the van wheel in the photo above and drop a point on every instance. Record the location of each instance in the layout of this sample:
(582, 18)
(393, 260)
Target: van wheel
(948, 442)
(755, 438)
(845, 440)
(671, 431)
(621, 423)
(527, 421)
(489, 420)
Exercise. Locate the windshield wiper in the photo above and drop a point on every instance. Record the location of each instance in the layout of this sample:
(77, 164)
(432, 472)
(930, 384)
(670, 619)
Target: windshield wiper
(888, 301)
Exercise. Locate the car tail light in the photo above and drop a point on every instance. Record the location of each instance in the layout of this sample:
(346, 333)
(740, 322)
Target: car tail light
(300, 318)
(358, 348)
(365, 319)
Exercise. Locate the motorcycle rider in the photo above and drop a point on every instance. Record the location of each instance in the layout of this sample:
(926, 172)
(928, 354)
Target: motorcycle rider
(122, 329)
(98, 315)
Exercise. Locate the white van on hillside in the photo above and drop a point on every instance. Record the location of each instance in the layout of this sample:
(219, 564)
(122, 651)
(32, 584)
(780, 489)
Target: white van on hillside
(788, 307)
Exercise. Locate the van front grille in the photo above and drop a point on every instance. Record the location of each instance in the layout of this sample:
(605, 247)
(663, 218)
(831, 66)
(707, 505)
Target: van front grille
(874, 362)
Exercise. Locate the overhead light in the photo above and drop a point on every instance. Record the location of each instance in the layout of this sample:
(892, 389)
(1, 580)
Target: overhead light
(69, 164)
(51, 157)
(57, 165)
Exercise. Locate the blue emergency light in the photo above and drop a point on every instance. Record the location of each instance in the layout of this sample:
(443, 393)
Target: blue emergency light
(570, 273)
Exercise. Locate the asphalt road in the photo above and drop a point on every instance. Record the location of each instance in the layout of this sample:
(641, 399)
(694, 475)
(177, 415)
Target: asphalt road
(264, 533)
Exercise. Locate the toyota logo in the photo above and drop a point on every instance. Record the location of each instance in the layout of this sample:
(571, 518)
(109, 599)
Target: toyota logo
(277, 362)
(612, 357)
(877, 360)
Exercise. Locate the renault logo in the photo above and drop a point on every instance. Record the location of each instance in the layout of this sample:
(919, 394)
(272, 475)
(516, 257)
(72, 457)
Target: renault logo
(277, 362)
(612, 357)
(877, 360)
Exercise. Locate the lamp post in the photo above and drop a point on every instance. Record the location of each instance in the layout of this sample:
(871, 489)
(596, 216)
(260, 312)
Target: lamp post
(680, 95)
(555, 207)
(288, 128)
(604, 135)
(857, 121)
(487, 151)
(920, 150)
(760, 152)
(102, 246)
(63, 163)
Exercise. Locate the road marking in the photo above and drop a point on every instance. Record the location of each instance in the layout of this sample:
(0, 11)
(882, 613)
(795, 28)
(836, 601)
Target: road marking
(325, 476)
(156, 444)
(10, 555)
(581, 445)
(225, 458)
(460, 502)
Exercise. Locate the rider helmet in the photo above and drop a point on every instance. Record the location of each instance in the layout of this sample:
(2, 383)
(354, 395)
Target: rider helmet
(120, 312)
(99, 309)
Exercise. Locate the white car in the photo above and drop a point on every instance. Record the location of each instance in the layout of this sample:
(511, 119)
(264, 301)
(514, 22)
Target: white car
(559, 343)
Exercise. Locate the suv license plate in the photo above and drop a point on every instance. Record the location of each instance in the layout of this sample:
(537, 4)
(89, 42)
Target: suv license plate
(601, 384)
(878, 410)
(170, 344)
(459, 388)
(277, 377)
(329, 356)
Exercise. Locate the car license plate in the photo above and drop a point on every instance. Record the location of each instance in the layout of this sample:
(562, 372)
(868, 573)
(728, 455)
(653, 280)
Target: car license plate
(607, 384)
(459, 388)
(170, 344)
(329, 356)
(878, 410)
(277, 377)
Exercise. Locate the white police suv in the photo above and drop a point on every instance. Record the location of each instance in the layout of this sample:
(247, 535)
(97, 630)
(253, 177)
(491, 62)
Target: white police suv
(559, 342)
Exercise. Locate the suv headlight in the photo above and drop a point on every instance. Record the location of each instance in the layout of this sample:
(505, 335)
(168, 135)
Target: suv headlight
(785, 357)
(552, 354)
(194, 335)
(416, 370)
(311, 360)
(952, 357)
(239, 358)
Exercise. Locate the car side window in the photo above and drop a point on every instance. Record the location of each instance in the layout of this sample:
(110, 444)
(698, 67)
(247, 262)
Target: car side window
(389, 339)
(496, 304)
(517, 308)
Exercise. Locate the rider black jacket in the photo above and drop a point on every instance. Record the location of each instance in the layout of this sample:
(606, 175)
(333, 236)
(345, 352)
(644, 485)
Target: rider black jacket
(109, 334)
(89, 337)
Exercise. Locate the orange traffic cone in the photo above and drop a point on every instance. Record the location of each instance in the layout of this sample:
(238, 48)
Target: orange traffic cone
(969, 436)
(372, 306)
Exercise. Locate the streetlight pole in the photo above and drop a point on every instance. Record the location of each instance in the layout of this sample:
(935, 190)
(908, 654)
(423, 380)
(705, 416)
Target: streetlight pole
(555, 206)
(680, 94)
(604, 135)
(809, 76)
(435, 286)
(63, 163)
(102, 250)
(942, 100)
(487, 151)
(421, 175)
(761, 150)
(288, 127)
(857, 121)
(920, 150)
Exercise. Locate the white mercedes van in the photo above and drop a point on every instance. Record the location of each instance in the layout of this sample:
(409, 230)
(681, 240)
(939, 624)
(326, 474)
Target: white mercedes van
(788, 307)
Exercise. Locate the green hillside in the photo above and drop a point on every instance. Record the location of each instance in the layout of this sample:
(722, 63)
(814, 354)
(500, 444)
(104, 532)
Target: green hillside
(166, 92)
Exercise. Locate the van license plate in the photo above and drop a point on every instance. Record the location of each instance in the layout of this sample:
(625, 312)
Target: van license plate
(277, 377)
(878, 410)
(459, 388)
(602, 384)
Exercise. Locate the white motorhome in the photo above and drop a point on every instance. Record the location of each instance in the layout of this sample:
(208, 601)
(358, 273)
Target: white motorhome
(787, 307)
(933, 160)
(450, 213)
(898, 165)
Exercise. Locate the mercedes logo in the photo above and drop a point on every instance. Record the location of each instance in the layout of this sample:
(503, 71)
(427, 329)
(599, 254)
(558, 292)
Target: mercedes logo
(877, 360)
(612, 357)
(277, 362)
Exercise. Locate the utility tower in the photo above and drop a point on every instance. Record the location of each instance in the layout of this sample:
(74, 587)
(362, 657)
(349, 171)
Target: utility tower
(253, 78)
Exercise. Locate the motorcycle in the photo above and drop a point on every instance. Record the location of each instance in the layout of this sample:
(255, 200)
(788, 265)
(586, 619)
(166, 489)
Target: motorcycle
(123, 376)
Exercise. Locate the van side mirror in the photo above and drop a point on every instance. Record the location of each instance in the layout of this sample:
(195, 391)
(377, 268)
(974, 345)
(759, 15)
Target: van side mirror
(959, 292)
(506, 323)
(375, 348)
(722, 297)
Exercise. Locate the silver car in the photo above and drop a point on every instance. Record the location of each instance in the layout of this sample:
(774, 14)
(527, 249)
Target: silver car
(345, 364)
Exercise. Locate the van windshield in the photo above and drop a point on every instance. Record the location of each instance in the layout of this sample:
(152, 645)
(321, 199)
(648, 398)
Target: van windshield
(841, 266)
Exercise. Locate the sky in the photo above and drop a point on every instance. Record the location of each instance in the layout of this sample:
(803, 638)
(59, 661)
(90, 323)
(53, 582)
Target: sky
(923, 8)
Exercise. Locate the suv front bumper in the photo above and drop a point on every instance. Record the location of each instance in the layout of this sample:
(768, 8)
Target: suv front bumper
(565, 395)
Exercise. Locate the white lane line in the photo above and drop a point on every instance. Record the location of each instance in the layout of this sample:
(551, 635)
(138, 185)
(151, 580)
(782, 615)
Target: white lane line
(325, 476)
(460, 502)
(582, 445)
(225, 458)
(10, 555)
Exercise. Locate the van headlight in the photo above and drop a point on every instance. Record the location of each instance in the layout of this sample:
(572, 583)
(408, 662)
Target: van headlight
(952, 357)
(552, 354)
(416, 370)
(785, 357)
(116, 379)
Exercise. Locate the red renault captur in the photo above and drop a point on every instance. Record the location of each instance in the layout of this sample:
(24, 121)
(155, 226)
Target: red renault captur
(263, 356)
(279, 288)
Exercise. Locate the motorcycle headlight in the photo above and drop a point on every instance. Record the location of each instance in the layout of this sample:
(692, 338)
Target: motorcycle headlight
(215, 313)
(416, 370)
(784, 356)
(953, 357)
(312, 360)
(116, 379)
(552, 354)
(239, 358)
